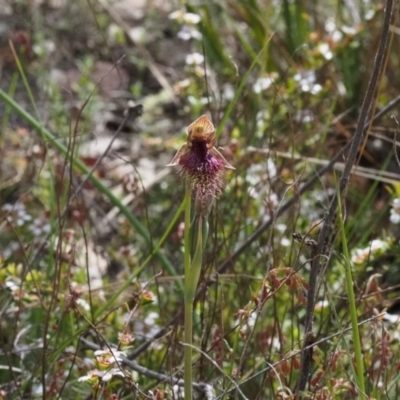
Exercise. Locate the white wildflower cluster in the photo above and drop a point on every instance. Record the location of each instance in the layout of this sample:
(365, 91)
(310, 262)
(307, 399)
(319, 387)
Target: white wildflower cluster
(105, 360)
(17, 216)
(16, 213)
(376, 248)
(93, 377)
(264, 82)
(306, 80)
(189, 21)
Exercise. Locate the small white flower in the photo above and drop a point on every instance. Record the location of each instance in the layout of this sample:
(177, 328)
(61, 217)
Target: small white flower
(349, 30)
(394, 217)
(84, 378)
(188, 18)
(395, 211)
(91, 377)
(189, 32)
(378, 244)
(321, 305)
(370, 14)
(109, 356)
(194, 59)
(263, 83)
(396, 203)
(178, 14)
(337, 36)
(316, 88)
(178, 392)
(191, 18)
(83, 304)
(95, 375)
(112, 372)
(325, 51)
(330, 25)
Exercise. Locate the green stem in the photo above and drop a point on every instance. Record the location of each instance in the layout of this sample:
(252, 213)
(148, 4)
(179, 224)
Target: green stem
(195, 267)
(353, 307)
(191, 282)
(188, 350)
(188, 306)
(188, 202)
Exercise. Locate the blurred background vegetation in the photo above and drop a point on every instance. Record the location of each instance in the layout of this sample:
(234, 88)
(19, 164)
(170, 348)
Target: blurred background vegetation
(283, 82)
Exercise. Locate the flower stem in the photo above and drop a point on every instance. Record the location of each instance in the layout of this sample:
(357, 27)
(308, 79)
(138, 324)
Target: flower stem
(188, 202)
(188, 306)
(188, 350)
(195, 267)
(191, 281)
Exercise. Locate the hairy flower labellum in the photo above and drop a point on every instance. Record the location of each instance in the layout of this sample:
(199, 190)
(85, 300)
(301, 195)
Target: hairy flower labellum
(202, 164)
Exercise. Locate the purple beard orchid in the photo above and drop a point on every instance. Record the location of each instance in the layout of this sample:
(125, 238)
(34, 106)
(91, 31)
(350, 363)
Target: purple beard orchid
(202, 164)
